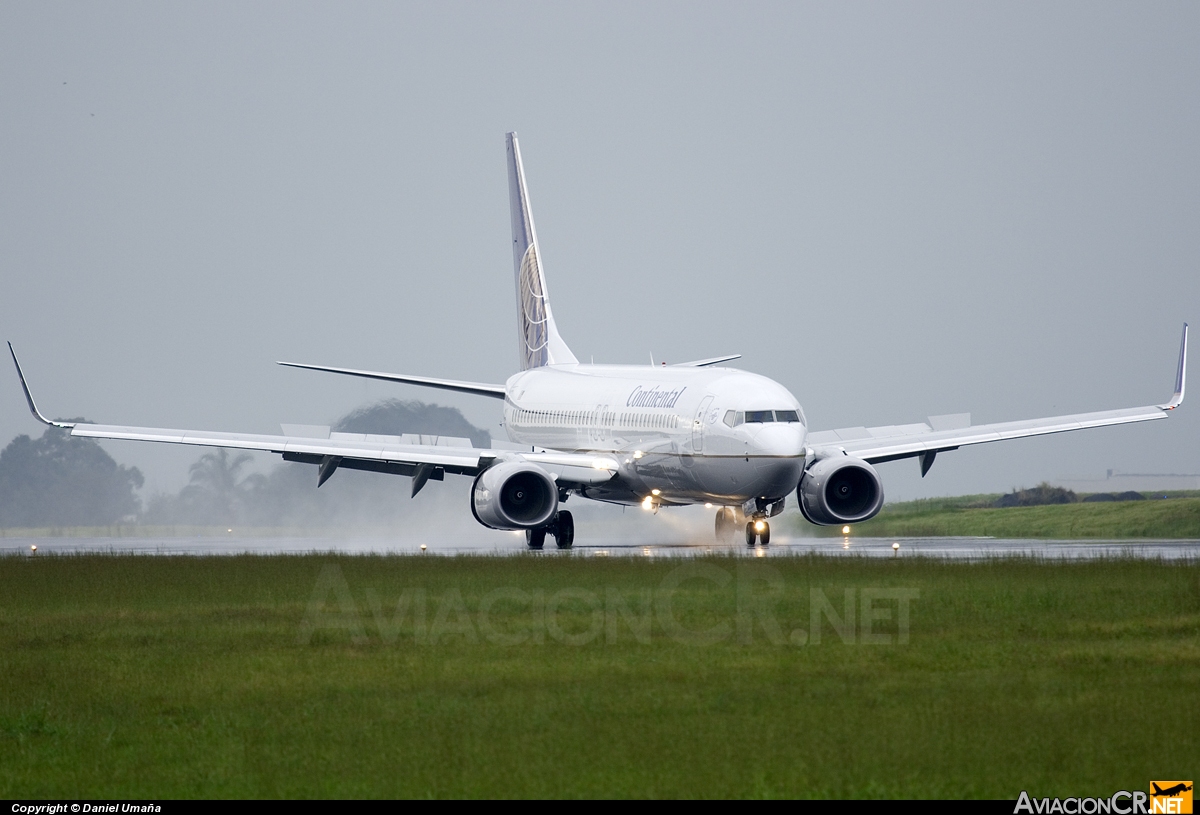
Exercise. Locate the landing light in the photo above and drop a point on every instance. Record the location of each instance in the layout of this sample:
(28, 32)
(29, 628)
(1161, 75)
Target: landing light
(845, 530)
(637, 454)
(647, 503)
(759, 526)
(656, 492)
(708, 506)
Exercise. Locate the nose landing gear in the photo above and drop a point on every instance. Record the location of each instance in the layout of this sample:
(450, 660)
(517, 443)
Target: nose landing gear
(728, 521)
(760, 530)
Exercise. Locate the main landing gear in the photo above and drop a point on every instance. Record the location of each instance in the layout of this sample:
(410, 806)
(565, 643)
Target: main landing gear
(562, 528)
(727, 524)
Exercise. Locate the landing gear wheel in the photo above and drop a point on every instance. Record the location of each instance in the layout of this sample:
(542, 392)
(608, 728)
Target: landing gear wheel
(750, 533)
(564, 530)
(764, 537)
(726, 524)
(536, 538)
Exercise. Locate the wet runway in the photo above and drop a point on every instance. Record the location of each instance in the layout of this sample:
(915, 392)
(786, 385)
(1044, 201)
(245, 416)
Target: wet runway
(505, 544)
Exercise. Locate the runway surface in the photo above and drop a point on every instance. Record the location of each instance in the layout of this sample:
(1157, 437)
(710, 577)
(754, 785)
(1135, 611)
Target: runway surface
(504, 545)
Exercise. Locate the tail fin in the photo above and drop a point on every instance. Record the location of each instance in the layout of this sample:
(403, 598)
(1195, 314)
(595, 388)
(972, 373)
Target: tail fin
(537, 335)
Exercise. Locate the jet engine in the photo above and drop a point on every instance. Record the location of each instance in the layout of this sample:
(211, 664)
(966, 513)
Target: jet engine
(514, 495)
(840, 490)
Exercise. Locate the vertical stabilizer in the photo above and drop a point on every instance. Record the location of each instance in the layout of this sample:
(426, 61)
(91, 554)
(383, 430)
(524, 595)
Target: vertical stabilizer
(537, 336)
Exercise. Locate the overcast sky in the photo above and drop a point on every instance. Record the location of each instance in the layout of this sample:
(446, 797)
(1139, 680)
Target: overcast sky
(894, 209)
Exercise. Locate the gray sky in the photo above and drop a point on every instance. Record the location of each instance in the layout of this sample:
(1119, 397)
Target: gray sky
(894, 209)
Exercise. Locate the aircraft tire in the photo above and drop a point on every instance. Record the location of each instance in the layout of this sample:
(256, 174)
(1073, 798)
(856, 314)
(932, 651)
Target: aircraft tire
(727, 525)
(564, 530)
(535, 538)
(764, 537)
(750, 533)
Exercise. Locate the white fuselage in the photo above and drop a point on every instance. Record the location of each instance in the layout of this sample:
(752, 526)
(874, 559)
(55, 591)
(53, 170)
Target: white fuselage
(682, 435)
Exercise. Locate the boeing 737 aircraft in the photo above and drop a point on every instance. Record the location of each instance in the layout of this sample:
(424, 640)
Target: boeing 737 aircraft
(658, 436)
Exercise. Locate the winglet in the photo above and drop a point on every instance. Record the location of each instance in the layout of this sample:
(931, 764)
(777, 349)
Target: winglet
(29, 396)
(1180, 374)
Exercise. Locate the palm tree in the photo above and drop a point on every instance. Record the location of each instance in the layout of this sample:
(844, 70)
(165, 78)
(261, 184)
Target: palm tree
(217, 491)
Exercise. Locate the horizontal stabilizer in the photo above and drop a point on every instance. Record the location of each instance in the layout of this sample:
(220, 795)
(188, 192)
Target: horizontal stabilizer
(477, 388)
(702, 363)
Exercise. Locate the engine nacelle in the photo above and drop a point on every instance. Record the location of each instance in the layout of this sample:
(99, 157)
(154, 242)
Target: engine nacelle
(840, 490)
(514, 495)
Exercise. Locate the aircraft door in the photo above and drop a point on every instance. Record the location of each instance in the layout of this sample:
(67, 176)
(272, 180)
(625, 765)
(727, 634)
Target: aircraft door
(597, 427)
(698, 425)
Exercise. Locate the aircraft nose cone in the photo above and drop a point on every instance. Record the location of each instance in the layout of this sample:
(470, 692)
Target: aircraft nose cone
(780, 439)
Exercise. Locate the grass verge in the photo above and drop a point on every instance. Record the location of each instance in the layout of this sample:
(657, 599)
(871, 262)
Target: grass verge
(145, 677)
(1175, 518)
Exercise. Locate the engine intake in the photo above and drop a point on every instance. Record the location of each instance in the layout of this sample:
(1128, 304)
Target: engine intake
(514, 495)
(840, 490)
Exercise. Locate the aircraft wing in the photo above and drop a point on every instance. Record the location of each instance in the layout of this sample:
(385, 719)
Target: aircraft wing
(390, 454)
(368, 452)
(942, 433)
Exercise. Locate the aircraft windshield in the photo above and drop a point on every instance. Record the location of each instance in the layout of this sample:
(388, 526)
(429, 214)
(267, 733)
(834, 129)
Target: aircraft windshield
(733, 418)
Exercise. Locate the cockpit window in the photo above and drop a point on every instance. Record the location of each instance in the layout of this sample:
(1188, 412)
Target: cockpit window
(733, 418)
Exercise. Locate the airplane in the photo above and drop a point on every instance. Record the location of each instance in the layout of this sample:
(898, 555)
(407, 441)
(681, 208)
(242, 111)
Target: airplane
(1170, 792)
(650, 435)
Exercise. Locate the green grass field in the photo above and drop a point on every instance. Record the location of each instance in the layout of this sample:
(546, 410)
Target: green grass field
(150, 677)
(939, 517)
